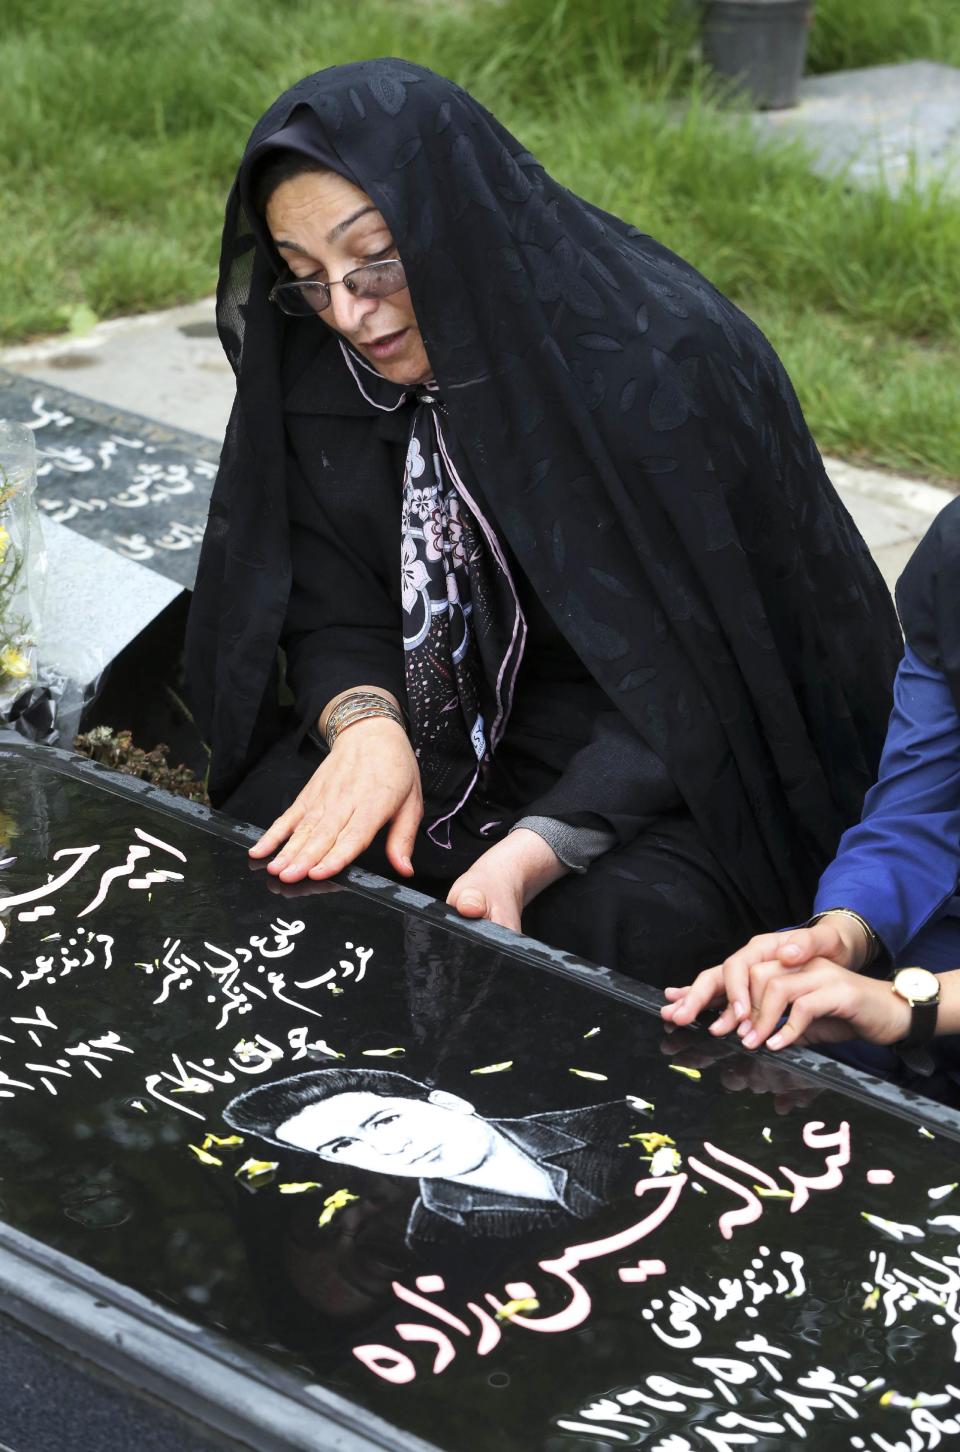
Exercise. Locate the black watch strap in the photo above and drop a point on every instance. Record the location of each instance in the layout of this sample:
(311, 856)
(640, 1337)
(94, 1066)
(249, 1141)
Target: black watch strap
(923, 1025)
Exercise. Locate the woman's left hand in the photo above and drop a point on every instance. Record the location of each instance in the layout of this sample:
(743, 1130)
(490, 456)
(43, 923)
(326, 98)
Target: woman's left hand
(505, 878)
(824, 1003)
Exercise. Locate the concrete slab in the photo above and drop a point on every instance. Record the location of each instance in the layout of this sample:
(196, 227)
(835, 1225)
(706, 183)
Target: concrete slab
(96, 603)
(892, 513)
(880, 124)
(167, 365)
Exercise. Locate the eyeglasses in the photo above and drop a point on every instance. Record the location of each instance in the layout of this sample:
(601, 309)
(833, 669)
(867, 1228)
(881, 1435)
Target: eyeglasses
(376, 279)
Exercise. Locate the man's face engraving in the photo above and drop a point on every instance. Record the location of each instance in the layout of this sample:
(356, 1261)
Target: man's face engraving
(436, 1138)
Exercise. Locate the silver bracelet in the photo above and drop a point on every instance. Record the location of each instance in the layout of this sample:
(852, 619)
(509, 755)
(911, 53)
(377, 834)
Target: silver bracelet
(359, 706)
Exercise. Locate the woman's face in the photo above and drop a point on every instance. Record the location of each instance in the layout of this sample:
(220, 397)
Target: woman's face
(323, 227)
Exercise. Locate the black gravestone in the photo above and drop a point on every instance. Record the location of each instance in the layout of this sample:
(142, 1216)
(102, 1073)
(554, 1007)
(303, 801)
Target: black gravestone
(331, 1169)
(139, 487)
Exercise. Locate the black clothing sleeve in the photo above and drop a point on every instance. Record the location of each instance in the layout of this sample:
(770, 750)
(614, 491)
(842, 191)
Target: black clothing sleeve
(927, 597)
(342, 627)
(615, 782)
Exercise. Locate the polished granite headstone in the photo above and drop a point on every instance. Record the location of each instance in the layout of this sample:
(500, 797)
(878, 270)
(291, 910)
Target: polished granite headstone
(335, 1170)
(138, 487)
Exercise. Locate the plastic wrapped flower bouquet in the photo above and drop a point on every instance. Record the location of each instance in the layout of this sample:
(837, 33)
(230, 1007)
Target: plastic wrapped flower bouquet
(21, 563)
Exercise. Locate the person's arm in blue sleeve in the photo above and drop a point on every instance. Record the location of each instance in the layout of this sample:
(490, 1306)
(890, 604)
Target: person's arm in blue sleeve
(899, 864)
(896, 868)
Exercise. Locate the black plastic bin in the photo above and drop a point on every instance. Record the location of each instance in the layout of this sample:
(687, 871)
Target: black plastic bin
(759, 44)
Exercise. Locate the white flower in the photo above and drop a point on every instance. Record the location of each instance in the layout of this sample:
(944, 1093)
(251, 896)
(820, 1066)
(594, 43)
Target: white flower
(415, 461)
(422, 503)
(413, 573)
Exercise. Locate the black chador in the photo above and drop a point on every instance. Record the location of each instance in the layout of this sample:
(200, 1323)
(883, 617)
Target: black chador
(683, 641)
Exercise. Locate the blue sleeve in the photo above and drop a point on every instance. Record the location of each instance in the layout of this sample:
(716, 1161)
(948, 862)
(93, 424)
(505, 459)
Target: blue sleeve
(901, 862)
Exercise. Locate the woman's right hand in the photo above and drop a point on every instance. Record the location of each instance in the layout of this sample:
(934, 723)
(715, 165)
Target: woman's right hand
(369, 779)
(737, 985)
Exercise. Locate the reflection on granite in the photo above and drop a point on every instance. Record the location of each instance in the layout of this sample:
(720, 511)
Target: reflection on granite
(494, 1204)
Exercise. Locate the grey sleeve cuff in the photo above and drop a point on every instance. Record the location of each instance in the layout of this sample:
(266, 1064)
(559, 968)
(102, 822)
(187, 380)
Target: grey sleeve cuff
(576, 847)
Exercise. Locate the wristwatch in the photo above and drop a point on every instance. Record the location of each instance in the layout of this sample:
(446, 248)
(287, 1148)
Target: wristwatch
(921, 989)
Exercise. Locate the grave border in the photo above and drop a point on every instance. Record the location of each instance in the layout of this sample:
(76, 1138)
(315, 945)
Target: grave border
(110, 417)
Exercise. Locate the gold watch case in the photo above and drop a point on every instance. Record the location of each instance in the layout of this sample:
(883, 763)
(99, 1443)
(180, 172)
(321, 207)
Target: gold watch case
(916, 985)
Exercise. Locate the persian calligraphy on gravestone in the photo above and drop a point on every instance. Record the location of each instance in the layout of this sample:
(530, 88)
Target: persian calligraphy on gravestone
(138, 487)
(482, 1197)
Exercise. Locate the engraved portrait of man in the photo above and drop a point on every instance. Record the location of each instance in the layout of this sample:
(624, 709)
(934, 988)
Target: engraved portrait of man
(483, 1177)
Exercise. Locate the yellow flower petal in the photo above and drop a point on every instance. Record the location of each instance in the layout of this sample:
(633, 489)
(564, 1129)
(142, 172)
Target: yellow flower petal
(298, 1187)
(203, 1157)
(665, 1161)
(682, 1069)
(768, 1194)
(652, 1139)
(494, 1068)
(333, 1203)
(226, 1141)
(395, 1053)
(635, 1102)
(899, 1230)
(873, 1300)
(517, 1307)
(256, 1173)
(588, 1074)
(591, 1033)
(14, 663)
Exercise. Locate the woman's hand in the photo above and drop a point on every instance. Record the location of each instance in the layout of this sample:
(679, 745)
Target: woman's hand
(808, 974)
(508, 875)
(827, 1004)
(740, 981)
(370, 778)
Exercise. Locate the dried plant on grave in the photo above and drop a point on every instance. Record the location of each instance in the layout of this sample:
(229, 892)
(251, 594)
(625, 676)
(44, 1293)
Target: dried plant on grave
(116, 749)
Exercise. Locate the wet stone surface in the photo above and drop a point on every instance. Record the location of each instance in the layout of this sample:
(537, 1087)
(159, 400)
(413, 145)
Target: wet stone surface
(468, 1186)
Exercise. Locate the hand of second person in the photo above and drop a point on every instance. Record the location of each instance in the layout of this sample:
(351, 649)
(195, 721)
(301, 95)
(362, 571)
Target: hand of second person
(823, 1003)
(370, 778)
(737, 985)
(505, 878)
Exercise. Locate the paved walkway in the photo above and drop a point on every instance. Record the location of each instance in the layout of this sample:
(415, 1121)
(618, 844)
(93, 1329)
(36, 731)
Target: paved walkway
(889, 125)
(169, 366)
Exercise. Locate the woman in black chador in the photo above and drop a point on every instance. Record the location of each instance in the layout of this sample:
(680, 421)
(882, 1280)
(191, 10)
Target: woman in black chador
(570, 613)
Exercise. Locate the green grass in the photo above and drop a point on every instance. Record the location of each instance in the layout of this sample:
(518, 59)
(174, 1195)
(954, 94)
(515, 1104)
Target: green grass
(122, 124)
(850, 33)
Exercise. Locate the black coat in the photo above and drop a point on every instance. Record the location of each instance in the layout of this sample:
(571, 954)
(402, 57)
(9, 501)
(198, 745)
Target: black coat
(928, 597)
(640, 447)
